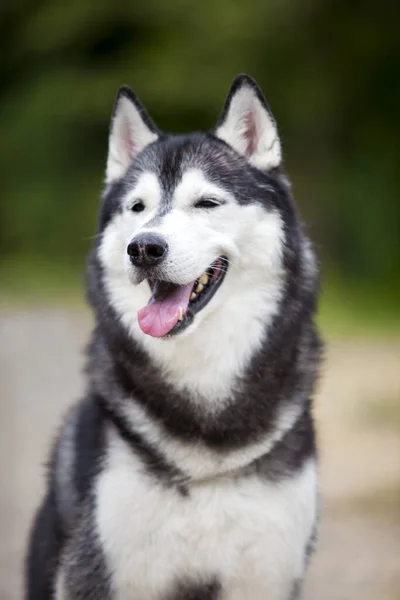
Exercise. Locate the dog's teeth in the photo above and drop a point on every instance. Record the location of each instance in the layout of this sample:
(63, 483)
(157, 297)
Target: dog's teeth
(180, 314)
(193, 296)
(199, 288)
(204, 279)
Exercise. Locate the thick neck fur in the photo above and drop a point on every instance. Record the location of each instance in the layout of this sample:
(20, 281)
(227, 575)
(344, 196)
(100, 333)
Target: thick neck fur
(279, 376)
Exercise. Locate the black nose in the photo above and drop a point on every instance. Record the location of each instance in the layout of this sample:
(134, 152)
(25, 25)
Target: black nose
(147, 250)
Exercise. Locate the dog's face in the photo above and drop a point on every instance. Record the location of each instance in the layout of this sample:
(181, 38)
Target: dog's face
(192, 225)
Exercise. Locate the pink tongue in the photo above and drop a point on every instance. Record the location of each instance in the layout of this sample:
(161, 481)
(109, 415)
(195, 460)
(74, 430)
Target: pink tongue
(164, 308)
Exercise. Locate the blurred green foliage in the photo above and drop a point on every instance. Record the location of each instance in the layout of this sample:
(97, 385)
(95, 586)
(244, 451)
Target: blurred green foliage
(329, 70)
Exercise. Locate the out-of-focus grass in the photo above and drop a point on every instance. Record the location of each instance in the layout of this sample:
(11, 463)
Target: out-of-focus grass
(345, 309)
(36, 282)
(348, 309)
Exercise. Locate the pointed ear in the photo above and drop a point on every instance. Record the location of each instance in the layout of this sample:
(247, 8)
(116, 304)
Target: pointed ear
(131, 131)
(247, 125)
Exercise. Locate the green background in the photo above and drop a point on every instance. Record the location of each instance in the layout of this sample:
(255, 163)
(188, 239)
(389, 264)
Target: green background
(329, 71)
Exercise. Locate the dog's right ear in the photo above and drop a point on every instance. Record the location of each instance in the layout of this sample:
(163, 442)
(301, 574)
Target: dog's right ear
(131, 131)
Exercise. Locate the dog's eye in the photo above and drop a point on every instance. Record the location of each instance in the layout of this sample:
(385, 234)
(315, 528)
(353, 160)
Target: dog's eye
(138, 206)
(207, 203)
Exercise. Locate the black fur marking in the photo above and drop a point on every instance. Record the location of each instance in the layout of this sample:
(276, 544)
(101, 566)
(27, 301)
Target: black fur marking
(60, 511)
(85, 572)
(196, 591)
(290, 453)
(89, 443)
(154, 461)
(111, 204)
(47, 539)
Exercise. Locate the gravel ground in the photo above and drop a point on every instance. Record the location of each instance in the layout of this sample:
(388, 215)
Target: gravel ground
(358, 416)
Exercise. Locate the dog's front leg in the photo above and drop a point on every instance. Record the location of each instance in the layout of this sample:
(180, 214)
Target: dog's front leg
(82, 572)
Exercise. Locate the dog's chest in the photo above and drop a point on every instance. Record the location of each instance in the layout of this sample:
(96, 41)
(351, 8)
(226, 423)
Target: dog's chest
(247, 533)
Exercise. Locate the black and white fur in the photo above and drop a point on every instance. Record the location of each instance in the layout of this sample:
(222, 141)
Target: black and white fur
(188, 471)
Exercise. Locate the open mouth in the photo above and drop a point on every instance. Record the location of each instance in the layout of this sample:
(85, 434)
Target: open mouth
(172, 307)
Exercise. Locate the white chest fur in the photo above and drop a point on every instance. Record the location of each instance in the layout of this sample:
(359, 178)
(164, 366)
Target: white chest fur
(247, 532)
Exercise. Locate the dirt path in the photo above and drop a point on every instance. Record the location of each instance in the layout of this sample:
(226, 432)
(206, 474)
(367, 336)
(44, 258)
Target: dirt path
(358, 416)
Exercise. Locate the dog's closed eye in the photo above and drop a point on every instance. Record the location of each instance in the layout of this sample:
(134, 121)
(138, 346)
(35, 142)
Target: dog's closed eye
(208, 203)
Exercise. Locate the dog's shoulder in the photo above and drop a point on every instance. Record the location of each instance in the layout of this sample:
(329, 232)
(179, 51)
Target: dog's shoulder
(77, 458)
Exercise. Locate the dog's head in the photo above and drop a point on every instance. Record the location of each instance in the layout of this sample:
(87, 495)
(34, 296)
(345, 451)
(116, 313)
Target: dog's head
(194, 224)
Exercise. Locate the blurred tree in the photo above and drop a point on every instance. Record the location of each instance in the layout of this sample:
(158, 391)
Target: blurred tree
(329, 71)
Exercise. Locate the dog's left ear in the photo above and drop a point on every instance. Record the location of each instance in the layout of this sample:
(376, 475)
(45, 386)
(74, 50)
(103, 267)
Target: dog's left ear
(131, 131)
(247, 125)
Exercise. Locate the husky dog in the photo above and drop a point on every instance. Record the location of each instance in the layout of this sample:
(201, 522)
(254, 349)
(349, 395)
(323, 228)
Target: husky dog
(188, 471)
